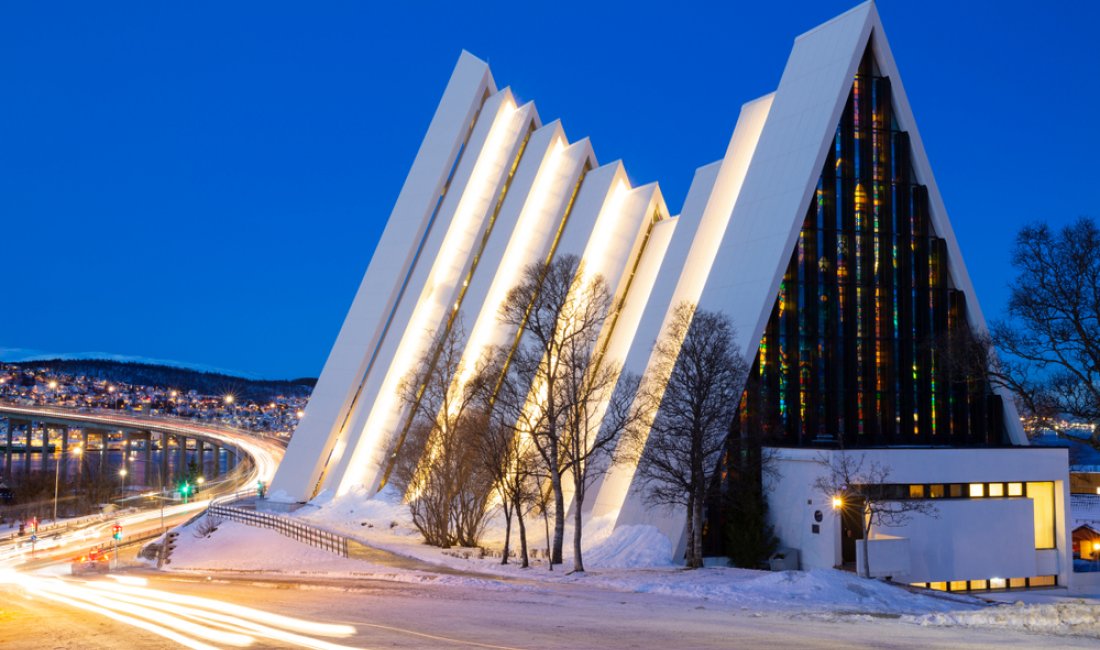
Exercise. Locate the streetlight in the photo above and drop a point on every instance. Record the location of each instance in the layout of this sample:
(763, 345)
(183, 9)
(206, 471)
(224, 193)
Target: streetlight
(838, 502)
(122, 476)
(57, 479)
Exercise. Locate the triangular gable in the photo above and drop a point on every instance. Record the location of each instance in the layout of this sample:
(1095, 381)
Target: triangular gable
(781, 180)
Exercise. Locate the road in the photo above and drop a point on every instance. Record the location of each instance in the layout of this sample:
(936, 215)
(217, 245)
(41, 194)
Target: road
(377, 614)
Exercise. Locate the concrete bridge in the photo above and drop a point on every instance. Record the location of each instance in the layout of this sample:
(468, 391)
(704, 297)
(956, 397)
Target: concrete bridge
(131, 433)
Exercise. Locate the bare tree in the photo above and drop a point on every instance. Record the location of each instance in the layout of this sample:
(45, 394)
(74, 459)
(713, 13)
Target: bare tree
(856, 486)
(690, 398)
(445, 482)
(1054, 318)
(510, 462)
(559, 381)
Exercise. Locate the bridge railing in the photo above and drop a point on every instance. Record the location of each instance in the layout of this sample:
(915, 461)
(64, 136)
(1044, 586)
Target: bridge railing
(286, 526)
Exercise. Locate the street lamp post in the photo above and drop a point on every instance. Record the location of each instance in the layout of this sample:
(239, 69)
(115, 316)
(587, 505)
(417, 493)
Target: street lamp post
(57, 480)
(122, 474)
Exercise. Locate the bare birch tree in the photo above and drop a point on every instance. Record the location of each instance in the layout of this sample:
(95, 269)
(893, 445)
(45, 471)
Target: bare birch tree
(445, 482)
(559, 379)
(510, 462)
(691, 395)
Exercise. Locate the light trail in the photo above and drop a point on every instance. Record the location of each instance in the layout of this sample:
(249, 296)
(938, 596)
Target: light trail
(191, 621)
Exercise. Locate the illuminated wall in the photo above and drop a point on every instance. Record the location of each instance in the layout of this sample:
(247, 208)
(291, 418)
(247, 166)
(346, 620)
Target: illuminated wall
(855, 350)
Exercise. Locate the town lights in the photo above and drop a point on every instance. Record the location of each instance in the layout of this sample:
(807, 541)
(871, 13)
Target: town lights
(228, 399)
(53, 384)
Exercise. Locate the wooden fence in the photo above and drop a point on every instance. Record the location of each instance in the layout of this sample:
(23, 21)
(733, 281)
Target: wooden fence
(285, 526)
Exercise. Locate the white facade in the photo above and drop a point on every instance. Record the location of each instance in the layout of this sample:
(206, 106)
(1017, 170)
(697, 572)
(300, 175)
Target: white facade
(980, 538)
(492, 189)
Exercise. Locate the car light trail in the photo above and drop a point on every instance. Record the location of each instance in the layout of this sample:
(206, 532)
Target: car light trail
(192, 621)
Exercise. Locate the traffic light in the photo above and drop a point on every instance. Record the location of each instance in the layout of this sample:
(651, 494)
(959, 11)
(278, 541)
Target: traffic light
(185, 491)
(116, 532)
(260, 489)
(170, 540)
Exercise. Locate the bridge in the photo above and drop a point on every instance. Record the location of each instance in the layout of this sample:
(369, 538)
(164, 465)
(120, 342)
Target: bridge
(262, 452)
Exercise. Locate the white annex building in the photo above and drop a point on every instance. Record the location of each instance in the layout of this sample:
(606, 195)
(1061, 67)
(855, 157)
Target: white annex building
(821, 234)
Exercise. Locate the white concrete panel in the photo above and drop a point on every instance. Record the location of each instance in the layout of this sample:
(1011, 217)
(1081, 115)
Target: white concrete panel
(619, 239)
(499, 134)
(529, 220)
(786, 164)
(705, 218)
(610, 491)
(957, 543)
(596, 190)
(382, 285)
(971, 539)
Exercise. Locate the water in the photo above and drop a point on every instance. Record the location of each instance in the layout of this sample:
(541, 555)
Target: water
(93, 461)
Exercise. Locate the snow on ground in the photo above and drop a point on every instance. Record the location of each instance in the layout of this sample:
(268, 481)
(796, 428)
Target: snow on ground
(235, 546)
(630, 559)
(1077, 618)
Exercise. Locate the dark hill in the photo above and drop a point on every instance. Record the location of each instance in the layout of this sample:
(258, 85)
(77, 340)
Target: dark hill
(181, 379)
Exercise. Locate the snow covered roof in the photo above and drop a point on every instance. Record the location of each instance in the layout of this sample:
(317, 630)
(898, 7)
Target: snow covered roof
(1084, 508)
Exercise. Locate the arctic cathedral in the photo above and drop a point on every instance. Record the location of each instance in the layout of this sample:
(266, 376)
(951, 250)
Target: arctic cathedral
(821, 234)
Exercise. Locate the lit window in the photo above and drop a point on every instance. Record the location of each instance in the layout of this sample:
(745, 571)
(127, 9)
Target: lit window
(938, 586)
(1017, 583)
(958, 585)
(1042, 494)
(977, 490)
(997, 583)
(1042, 581)
(978, 585)
(996, 489)
(935, 491)
(956, 490)
(1015, 489)
(916, 491)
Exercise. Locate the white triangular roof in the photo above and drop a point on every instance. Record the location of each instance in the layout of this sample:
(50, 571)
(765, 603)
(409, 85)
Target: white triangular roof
(786, 165)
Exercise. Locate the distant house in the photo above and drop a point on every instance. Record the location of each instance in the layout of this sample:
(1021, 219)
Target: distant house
(1086, 542)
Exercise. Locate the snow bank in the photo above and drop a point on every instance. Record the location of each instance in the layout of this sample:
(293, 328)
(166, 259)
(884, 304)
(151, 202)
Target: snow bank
(238, 547)
(818, 590)
(355, 514)
(1077, 618)
(631, 547)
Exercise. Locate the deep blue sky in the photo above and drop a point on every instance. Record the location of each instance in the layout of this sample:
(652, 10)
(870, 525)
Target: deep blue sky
(205, 182)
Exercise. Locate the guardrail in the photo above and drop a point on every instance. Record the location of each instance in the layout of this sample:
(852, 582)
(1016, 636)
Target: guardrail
(295, 530)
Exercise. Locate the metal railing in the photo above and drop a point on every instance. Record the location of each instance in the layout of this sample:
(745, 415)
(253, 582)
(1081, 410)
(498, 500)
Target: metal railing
(286, 526)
